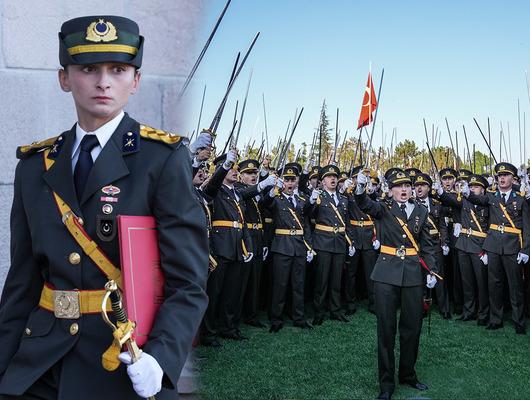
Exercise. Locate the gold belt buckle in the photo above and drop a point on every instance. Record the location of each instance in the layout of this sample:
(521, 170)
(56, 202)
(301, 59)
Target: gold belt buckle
(469, 231)
(335, 229)
(501, 228)
(292, 232)
(401, 252)
(361, 224)
(235, 224)
(66, 304)
(254, 226)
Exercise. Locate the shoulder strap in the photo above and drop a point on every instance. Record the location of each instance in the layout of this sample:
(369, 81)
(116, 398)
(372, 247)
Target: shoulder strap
(408, 233)
(474, 216)
(503, 209)
(75, 227)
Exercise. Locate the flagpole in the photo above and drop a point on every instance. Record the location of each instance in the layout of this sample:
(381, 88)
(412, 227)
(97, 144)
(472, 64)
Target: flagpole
(375, 115)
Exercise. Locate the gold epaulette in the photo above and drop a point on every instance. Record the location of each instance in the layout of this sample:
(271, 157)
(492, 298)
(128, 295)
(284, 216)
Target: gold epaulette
(158, 135)
(521, 193)
(491, 190)
(25, 151)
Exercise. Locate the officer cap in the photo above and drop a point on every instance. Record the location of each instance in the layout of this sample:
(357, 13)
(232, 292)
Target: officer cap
(413, 173)
(505, 168)
(248, 166)
(392, 171)
(100, 39)
(329, 170)
(423, 178)
(464, 174)
(476, 179)
(314, 172)
(398, 178)
(448, 173)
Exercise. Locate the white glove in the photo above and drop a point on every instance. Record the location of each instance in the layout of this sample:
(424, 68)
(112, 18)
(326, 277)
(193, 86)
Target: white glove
(484, 258)
(307, 165)
(268, 181)
(431, 281)
(490, 180)
(265, 253)
(521, 257)
(376, 244)
(464, 189)
(347, 183)
(445, 249)
(351, 251)
(203, 140)
(457, 229)
(438, 187)
(231, 158)
(145, 374)
(309, 256)
(362, 179)
(248, 257)
(272, 192)
(279, 183)
(314, 196)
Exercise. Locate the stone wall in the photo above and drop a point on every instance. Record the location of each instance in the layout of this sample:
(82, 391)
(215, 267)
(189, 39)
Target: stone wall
(32, 106)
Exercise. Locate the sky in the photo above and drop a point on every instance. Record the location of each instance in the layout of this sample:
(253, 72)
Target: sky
(454, 59)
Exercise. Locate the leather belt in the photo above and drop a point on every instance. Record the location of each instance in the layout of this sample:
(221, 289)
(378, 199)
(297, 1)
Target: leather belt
(361, 223)
(503, 228)
(399, 251)
(71, 304)
(472, 232)
(332, 229)
(254, 226)
(227, 224)
(291, 232)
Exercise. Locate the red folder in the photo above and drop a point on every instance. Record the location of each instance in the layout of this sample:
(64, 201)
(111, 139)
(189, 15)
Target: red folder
(143, 280)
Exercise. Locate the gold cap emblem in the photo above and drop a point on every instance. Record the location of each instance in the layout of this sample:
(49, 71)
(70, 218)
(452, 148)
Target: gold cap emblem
(400, 175)
(101, 31)
(290, 171)
(251, 165)
(502, 168)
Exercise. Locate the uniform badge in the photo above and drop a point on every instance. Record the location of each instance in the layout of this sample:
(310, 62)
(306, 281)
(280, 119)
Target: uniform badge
(416, 224)
(107, 209)
(101, 31)
(130, 142)
(111, 190)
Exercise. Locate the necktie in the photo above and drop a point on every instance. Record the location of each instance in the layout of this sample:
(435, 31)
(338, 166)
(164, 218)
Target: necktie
(404, 210)
(291, 201)
(504, 198)
(333, 198)
(235, 194)
(84, 163)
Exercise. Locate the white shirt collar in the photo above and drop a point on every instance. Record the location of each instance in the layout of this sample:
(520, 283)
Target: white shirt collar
(103, 133)
(508, 193)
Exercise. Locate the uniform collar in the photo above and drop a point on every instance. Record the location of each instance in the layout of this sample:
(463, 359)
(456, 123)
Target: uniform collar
(103, 133)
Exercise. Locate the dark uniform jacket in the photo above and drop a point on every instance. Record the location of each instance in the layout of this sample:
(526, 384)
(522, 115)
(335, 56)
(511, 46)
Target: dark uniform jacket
(289, 245)
(467, 241)
(227, 242)
(393, 269)
(253, 221)
(154, 179)
(436, 224)
(517, 209)
(363, 236)
(324, 214)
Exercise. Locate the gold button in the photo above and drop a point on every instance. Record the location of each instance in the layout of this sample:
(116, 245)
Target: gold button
(74, 258)
(74, 328)
(28, 331)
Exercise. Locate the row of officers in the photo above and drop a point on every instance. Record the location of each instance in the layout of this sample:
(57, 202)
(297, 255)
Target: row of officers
(463, 236)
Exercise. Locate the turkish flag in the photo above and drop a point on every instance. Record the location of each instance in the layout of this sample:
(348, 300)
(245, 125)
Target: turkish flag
(369, 104)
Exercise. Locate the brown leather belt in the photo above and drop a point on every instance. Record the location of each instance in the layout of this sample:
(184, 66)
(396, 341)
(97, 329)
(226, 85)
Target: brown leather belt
(71, 304)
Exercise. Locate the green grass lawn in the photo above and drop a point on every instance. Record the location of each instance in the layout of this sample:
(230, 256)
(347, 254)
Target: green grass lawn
(458, 360)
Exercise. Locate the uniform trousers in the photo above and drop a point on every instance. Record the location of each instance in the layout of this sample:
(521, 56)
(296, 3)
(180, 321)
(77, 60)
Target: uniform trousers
(328, 273)
(388, 299)
(475, 285)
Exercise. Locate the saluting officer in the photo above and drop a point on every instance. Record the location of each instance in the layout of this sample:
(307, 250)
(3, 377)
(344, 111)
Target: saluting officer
(291, 248)
(507, 244)
(439, 235)
(398, 277)
(251, 274)
(470, 242)
(107, 164)
(332, 241)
